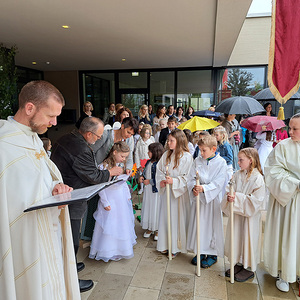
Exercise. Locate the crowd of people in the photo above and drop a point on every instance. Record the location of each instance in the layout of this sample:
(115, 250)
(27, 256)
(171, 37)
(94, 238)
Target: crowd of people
(263, 178)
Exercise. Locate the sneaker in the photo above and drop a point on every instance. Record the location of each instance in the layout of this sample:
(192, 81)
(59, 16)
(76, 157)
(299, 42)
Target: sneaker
(194, 260)
(282, 285)
(209, 261)
(147, 235)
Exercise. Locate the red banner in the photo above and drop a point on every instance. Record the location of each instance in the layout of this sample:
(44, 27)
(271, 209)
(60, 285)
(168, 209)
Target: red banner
(284, 56)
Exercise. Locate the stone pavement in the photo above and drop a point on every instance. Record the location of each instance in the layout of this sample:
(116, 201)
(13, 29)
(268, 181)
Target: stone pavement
(149, 275)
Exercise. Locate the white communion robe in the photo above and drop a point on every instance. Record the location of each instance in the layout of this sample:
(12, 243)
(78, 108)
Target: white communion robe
(250, 198)
(179, 202)
(282, 231)
(213, 174)
(36, 248)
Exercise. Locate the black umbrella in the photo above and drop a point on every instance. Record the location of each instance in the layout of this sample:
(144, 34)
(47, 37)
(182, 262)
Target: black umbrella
(240, 105)
(206, 113)
(266, 94)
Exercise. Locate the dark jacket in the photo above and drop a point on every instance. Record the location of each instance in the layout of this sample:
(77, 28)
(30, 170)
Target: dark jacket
(153, 172)
(163, 135)
(76, 161)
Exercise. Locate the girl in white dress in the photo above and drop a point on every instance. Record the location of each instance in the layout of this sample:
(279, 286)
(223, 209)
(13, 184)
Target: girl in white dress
(264, 145)
(248, 201)
(177, 161)
(114, 235)
(141, 150)
(151, 199)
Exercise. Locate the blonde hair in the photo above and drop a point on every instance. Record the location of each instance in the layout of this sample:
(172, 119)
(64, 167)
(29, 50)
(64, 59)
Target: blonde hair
(87, 102)
(144, 129)
(110, 162)
(181, 146)
(197, 135)
(223, 132)
(140, 112)
(208, 141)
(252, 154)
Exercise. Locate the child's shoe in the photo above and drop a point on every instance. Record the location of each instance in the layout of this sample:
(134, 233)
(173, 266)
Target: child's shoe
(147, 234)
(243, 275)
(194, 260)
(209, 261)
(282, 285)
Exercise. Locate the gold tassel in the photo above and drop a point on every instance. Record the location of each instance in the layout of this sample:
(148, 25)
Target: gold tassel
(281, 113)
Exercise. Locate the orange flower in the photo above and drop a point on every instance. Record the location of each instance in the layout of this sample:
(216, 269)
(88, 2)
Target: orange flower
(134, 170)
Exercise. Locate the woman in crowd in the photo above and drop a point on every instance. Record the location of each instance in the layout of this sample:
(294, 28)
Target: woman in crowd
(160, 114)
(180, 114)
(87, 112)
(109, 113)
(189, 112)
(143, 115)
(268, 109)
(233, 131)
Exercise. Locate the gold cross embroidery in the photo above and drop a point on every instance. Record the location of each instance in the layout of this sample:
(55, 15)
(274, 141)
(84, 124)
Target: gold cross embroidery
(40, 155)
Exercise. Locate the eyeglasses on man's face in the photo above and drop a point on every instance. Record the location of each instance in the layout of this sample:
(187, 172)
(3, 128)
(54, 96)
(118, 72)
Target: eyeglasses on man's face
(98, 136)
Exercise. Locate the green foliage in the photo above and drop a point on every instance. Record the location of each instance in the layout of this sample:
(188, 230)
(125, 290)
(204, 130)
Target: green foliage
(8, 80)
(239, 82)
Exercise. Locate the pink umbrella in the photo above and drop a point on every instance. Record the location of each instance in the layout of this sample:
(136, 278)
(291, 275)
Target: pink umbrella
(262, 123)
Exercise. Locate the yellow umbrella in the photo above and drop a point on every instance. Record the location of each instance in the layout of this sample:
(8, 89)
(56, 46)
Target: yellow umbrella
(198, 123)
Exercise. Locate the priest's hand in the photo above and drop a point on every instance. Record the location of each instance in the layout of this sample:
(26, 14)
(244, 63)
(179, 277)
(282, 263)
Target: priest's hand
(61, 188)
(230, 198)
(146, 181)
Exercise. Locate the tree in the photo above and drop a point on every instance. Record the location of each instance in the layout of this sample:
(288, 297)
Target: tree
(239, 82)
(8, 81)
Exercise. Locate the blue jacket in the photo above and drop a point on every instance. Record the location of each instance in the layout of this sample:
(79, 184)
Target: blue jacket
(153, 171)
(226, 152)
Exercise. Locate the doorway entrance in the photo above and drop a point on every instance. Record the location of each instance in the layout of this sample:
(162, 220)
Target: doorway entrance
(133, 99)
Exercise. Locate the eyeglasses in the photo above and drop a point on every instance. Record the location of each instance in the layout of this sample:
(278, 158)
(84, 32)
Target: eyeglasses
(98, 136)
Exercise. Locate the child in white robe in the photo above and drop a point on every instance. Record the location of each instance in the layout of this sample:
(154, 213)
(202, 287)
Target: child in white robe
(141, 150)
(114, 235)
(282, 231)
(151, 199)
(212, 170)
(248, 202)
(176, 161)
(264, 146)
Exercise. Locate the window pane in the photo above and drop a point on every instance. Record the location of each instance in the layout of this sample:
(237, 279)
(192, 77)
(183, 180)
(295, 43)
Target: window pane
(99, 89)
(240, 82)
(195, 89)
(133, 80)
(161, 89)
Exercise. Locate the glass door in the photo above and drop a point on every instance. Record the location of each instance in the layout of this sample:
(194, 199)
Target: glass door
(134, 100)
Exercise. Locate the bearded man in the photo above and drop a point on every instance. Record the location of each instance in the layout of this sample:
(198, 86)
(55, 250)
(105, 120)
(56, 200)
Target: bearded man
(36, 248)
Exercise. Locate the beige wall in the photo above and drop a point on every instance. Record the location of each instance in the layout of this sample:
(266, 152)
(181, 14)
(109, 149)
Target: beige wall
(68, 84)
(252, 45)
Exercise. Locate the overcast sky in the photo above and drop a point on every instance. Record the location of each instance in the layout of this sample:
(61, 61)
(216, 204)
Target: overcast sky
(260, 6)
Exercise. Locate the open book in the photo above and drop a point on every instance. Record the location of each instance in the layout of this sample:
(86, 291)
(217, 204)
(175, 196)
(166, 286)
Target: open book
(78, 195)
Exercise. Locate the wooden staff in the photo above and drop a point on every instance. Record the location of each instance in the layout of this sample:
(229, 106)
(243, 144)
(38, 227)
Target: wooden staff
(169, 216)
(231, 193)
(198, 226)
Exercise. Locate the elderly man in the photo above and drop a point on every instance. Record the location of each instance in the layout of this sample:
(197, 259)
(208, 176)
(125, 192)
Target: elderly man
(73, 155)
(36, 250)
(101, 148)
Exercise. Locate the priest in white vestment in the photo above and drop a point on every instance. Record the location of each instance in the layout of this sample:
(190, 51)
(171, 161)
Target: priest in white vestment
(37, 257)
(282, 232)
